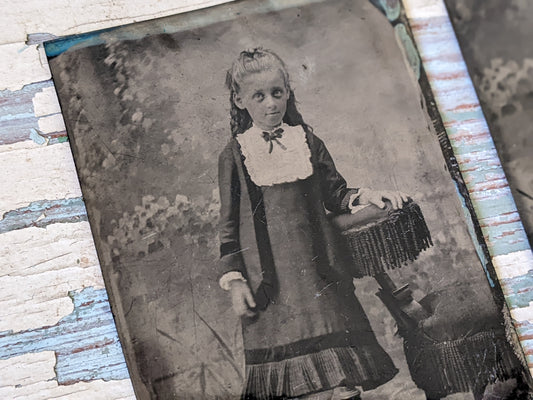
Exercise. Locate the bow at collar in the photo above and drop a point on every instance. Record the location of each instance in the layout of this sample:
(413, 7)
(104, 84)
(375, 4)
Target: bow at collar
(272, 137)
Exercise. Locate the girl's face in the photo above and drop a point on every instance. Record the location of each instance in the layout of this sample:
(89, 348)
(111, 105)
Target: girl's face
(264, 95)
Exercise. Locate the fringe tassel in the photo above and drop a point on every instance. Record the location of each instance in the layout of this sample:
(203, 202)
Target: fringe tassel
(443, 368)
(316, 372)
(389, 243)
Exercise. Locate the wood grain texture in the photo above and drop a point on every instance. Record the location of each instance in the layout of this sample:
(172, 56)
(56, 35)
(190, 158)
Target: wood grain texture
(40, 173)
(50, 282)
(47, 263)
(20, 64)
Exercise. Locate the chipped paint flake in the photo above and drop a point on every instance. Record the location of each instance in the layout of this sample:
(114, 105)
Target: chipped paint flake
(523, 313)
(37, 137)
(52, 123)
(17, 116)
(43, 213)
(23, 145)
(513, 265)
(46, 102)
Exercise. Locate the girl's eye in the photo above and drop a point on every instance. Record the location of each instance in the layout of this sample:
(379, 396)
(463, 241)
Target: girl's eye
(277, 93)
(259, 96)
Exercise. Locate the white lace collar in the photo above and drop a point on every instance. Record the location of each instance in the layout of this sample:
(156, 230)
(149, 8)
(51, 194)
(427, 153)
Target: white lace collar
(281, 165)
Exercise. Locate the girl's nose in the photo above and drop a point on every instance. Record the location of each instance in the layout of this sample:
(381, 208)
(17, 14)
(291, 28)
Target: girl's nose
(271, 103)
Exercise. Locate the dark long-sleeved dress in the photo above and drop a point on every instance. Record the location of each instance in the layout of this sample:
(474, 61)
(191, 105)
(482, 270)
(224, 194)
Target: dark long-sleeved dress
(310, 332)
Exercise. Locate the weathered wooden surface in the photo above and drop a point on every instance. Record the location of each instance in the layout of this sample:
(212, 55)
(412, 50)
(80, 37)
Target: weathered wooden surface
(57, 336)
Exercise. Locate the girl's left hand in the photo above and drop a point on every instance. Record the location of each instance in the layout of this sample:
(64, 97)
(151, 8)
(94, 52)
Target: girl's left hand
(376, 197)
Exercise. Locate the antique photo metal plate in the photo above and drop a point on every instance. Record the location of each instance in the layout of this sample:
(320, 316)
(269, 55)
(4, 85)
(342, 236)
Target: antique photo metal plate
(277, 209)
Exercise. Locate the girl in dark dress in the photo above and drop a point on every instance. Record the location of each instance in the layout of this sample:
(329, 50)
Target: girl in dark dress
(305, 333)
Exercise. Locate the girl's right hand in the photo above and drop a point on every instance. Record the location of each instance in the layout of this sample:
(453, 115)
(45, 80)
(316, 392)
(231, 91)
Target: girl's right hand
(242, 298)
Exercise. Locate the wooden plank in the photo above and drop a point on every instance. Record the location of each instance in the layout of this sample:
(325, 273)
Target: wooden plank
(37, 173)
(48, 263)
(84, 341)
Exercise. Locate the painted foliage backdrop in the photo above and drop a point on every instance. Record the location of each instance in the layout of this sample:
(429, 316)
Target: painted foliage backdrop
(147, 119)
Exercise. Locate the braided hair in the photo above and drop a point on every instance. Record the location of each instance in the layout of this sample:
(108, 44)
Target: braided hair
(253, 61)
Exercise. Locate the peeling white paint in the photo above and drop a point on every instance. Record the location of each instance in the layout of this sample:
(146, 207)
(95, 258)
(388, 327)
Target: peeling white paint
(21, 64)
(523, 314)
(32, 377)
(513, 265)
(52, 123)
(46, 102)
(38, 267)
(34, 174)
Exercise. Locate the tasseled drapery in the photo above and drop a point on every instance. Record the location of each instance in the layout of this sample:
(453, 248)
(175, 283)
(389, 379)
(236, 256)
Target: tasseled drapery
(388, 242)
(441, 368)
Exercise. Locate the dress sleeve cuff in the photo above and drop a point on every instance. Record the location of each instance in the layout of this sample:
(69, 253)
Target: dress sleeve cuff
(349, 198)
(228, 277)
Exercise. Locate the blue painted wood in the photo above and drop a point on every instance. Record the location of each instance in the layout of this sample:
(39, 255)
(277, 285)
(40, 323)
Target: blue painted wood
(17, 116)
(505, 237)
(519, 290)
(85, 342)
(43, 213)
(525, 331)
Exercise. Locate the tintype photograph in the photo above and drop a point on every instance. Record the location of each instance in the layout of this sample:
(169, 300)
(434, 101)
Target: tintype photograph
(277, 210)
